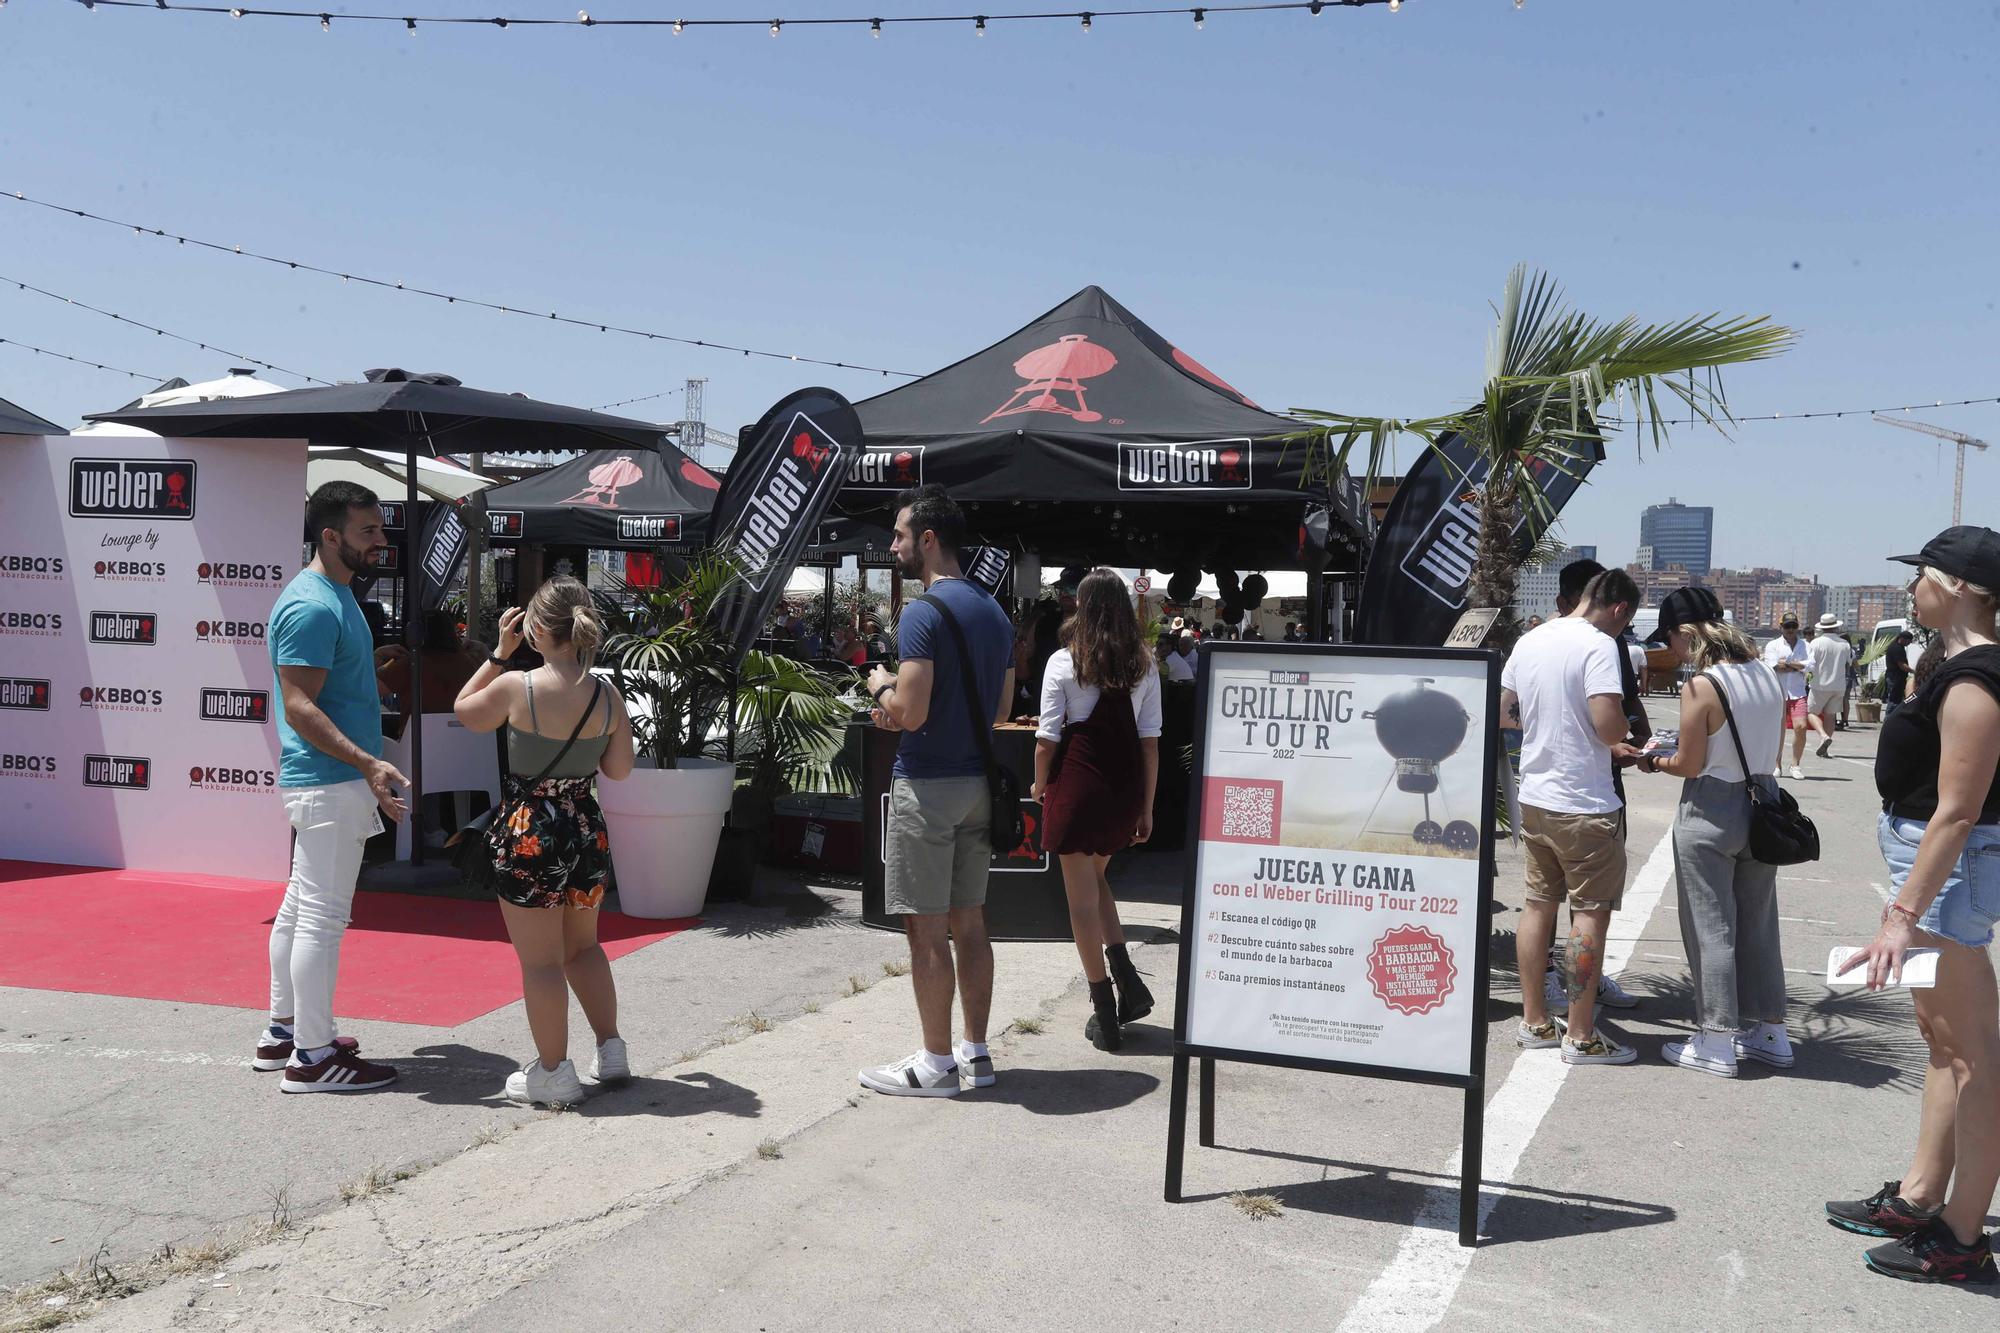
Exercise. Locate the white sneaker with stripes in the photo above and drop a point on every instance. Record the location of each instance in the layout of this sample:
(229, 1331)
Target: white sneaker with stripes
(912, 1076)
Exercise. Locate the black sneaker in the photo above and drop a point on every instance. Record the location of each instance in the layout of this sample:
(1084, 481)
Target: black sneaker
(1882, 1213)
(342, 1071)
(1933, 1254)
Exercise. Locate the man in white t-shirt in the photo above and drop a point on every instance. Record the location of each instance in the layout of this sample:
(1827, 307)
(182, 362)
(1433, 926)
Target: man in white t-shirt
(1180, 662)
(1562, 687)
(1788, 656)
(1829, 655)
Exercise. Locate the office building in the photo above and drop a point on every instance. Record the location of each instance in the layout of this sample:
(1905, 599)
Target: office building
(1863, 606)
(1536, 593)
(1678, 534)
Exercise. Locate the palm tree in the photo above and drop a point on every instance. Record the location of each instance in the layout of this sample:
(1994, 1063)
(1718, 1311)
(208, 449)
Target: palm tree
(1557, 380)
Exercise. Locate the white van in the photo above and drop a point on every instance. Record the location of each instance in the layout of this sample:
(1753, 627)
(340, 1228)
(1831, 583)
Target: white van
(1885, 632)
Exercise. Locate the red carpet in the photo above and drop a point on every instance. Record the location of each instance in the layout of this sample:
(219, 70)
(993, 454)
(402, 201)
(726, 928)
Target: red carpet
(203, 939)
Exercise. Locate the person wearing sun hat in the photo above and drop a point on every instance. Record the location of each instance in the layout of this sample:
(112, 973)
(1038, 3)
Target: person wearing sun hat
(1828, 655)
(1937, 770)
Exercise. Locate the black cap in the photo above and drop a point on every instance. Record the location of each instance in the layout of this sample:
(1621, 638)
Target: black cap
(1790, 621)
(1968, 553)
(1685, 606)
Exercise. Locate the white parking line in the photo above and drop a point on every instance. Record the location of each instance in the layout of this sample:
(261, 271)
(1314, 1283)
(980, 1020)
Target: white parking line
(1416, 1290)
(88, 1052)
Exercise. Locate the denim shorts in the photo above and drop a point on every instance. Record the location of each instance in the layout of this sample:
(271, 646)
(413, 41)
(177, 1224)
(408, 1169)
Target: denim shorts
(1968, 905)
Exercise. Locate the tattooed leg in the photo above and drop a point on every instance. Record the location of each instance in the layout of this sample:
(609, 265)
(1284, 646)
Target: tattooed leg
(1583, 962)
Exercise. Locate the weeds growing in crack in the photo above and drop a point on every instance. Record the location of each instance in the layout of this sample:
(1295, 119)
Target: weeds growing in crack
(1033, 1027)
(85, 1289)
(895, 967)
(281, 1209)
(755, 1021)
(1257, 1207)
(811, 1006)
(487, 1136)
(377, 1181)
(855, 985)
(769, 1150)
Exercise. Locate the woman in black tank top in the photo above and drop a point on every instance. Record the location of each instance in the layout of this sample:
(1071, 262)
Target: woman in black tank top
(1937, 769)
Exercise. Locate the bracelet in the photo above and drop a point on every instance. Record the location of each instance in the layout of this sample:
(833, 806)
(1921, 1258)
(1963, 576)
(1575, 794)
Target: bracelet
(877, 696)
(492, 660)
(1900, 910)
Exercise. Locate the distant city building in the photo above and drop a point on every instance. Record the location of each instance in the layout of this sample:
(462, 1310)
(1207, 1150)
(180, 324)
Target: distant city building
(1793, 595)
(1741, 592)
(1536, 594)
(1678, 534)
(1863, 606)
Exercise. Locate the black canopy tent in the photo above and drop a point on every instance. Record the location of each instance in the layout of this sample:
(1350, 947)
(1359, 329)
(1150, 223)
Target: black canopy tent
(608, 499)
(1088, 437)
(15, 420)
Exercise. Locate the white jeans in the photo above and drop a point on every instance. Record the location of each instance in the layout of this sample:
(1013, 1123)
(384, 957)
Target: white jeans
(332, 824)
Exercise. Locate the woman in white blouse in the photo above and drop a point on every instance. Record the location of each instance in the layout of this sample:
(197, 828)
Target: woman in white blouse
(1097, 759)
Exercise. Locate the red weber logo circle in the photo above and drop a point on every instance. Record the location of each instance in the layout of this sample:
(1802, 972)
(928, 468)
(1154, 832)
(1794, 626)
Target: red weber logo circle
(46, 567)
(25, 693)
(231, 705)
(154, 488)
(140, 627)
(124, 771)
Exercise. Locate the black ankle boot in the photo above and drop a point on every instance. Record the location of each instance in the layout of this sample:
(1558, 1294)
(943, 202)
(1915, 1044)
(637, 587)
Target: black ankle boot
(1134, 1000)
(1102, 1029)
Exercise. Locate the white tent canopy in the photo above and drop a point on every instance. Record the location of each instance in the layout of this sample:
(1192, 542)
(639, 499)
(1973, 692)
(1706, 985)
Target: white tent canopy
(236, 384)
(370, 467)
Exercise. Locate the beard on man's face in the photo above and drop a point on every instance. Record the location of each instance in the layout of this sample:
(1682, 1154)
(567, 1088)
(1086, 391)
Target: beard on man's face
(358, 559)
(911, 566)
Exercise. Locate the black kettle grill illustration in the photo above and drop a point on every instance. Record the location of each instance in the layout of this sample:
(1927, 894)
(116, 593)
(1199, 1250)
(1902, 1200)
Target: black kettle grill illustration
(1421, 728)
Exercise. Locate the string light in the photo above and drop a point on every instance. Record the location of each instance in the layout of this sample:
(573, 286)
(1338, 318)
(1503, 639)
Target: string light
(776, 24)
(678, 25)
(94, 365)
(296, 265)
(1395, 6)
(1200, 19)
(979, 26)
(874, 27)
(627, 402)
(157, 331)
(1836, 413)
(325, 22)
(411, 24)
(1086, 22)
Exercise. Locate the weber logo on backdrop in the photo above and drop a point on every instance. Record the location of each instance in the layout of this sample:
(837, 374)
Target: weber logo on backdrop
(504, 523)
(241, 574)
(238, 632)
(794, 475)
(138, 627)
(124, 771)
(253, 780)
(131, 571)
(120, 699)
(392, 515)
(232, 705)
(42, 766)
(649, 527)
(34, 624)
(891, 469)
(24, 693)
(155, 488)
(1441, 560)
(1207, 465)
(45, 567)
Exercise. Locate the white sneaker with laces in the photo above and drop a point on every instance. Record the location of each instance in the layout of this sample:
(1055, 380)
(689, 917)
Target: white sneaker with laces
(912, 1076)
(1596, 1049)
(1798, 774)
(977, 1069)
(1707, 1052)
(554, 1088)
(610, 1064)
(1529, 1038)
(1767, 1043)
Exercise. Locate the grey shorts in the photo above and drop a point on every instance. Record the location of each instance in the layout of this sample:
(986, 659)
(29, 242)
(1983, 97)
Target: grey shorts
(937, 846)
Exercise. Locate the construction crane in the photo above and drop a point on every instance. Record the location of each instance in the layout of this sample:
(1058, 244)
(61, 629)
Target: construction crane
(1963, 441)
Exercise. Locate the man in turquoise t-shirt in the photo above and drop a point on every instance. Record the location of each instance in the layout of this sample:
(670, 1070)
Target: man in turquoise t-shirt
(336, 788)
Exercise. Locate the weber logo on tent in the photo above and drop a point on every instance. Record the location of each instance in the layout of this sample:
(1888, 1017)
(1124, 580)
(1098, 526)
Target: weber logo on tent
(504, 523)
(794, 474)
(124, 771)
(241, 632)
(119, 699)
(649, 527)
(226, 705)
(241, 574)
(389, 560)
(1440, 560)
(893, 469)
(1207, 465)
(48, 567)
(24, 693)
(156, 488)
(41, 624)
(140, 627)
(392, 515)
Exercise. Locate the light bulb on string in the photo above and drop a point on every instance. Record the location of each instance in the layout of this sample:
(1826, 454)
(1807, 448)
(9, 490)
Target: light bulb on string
(326, 23)
(583, 17)
(1395, 5)
(875, 28)
(775, 25)
(1200, 19)
(1086, 21)
(1315, 7)
(411, 26)
(979, 26)
(678, 25)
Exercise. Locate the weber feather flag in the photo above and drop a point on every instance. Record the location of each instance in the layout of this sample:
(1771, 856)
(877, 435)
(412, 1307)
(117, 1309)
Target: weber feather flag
(786, 473)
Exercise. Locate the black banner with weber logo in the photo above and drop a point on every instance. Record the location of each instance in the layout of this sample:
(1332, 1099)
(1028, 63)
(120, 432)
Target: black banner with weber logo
(784, 479)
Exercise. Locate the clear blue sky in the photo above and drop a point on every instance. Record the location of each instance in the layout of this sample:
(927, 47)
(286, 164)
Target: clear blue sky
(1320, 209)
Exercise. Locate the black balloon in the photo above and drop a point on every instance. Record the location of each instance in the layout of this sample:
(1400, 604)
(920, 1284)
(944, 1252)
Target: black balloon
(1255, 589)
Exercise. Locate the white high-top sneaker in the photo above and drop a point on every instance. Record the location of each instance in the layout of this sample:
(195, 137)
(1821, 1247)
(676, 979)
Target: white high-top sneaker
(1708, 1052)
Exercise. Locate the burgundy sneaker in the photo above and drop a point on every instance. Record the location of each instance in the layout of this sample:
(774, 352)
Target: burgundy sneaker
(1883, 1213)
(343, 1071)
(1933, 1254)
(274, 1053)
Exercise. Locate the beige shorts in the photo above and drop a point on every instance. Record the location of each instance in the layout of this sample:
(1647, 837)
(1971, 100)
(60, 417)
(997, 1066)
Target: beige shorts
(1821, 702)
(1578, 858)
(938, 846)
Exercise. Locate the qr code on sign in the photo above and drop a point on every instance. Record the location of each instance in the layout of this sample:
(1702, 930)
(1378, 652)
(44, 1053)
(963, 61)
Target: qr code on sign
(1249, 812)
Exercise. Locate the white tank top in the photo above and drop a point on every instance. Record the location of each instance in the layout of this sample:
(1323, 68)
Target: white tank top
(1758, 702)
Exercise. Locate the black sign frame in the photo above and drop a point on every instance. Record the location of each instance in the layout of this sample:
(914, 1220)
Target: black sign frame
(1473, 1085)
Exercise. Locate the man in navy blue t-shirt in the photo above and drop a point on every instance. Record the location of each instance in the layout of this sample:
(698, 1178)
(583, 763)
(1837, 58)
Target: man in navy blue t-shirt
(938, 844)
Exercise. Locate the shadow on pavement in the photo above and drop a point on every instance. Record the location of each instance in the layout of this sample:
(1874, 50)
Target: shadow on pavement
(454, 1074)
(1064, 1091)
(682, 1095)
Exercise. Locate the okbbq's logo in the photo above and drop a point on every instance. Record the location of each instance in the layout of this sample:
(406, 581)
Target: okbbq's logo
(141, 627)
(24, 693)
(1207, 465)
(33, 624)
(41, 766)
(242, 633)
(124, 771)
(155, 488)
(228, 705)
(48, 568)
(131, 571)
(887, 469)
(119, 699)
(649, 527)
(255, 780)
(239, 574)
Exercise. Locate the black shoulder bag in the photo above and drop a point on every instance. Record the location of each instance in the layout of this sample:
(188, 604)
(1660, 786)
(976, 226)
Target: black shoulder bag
(469, 850)
(1010, 827)
(1781, 834)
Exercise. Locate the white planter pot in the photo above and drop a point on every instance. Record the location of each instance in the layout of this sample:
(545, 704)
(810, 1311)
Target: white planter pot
(664, 824)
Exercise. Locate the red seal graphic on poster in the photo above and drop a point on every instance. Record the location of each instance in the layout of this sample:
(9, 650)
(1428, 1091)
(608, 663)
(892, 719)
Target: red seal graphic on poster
(1411, 970)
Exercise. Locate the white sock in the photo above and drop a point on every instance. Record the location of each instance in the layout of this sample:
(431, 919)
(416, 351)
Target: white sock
(313, 1057)
(971, 1050)
(278, 1029)
(937, 1064)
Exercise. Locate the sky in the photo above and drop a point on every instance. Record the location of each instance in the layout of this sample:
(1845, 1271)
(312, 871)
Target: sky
(1321, 209)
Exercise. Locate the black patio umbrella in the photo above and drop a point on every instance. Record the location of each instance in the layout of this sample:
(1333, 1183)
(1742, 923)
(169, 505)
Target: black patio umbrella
(408, 414)
(20, 421)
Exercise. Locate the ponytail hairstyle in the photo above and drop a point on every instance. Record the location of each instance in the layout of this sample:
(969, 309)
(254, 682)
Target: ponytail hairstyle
(562, 609)
(1102, 634)
(1714, 642)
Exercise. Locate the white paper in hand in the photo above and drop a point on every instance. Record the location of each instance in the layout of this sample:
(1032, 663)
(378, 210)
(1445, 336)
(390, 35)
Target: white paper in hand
(1919, 969)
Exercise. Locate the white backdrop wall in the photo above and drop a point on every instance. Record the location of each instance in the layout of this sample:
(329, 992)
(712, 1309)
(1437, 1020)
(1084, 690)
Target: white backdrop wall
(137, 576)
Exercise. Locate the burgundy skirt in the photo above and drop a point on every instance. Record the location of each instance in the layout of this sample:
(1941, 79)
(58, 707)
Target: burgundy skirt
(1096, 790)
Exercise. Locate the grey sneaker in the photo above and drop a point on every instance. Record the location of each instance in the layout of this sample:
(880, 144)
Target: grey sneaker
(553, 1088)
(977, 1069)
(610, 1064)
(1765, 1044)
(1610, 995)
(1596, 1049)
(1531, 1038)
(911, 1076)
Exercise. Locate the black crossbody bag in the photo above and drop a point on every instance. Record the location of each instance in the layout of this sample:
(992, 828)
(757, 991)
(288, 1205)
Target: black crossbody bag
(469, 850)
(1781, 834)
(1010, 826)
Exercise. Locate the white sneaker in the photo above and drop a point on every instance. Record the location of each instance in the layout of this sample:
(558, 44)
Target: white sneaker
(610, 1064)
(1767, 1043)
(1530, 1038)
(912, 1076)
(1798, 774)
(977, 1069)
(1596, 1049)
(536, 1086)
(1707, 1052)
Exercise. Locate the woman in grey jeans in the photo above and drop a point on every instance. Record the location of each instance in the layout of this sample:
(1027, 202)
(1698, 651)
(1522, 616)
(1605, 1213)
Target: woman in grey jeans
(1728, 899)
